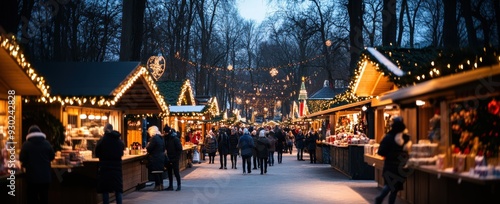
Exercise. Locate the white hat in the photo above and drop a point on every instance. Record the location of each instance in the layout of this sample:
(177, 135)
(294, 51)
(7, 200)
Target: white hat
(262, 133)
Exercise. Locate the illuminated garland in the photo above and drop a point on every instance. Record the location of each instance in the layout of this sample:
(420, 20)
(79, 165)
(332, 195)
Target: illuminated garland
(216, 68)
(115, 96)
(182, 96)
(10, 45)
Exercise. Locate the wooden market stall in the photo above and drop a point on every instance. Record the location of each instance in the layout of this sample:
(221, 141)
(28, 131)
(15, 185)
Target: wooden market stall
(443, 115)
(18, 79)
(347, 139)
(84, 97)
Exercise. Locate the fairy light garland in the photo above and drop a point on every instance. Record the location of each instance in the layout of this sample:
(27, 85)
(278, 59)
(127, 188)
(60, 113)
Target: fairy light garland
(217, 68)
(12, 47)
(186, 87)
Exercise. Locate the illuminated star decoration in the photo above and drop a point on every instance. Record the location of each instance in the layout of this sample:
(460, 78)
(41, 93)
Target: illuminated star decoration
(156, 65)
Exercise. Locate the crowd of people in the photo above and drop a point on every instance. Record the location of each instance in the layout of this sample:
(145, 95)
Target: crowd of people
(257, 146)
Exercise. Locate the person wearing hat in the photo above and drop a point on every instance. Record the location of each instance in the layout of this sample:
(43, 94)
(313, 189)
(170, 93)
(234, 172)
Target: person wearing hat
(156, 152)
(394, 148)
(36, 155)
(263, 145)
(109, 150)
(246, 145)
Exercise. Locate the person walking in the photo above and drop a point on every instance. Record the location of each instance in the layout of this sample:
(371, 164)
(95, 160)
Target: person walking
(272, 146)
(394, 148)
(280, 145)
(233, 147)
(174, 150)
(299, 145)
(246, 145)
(156, 153)
(255, 137)
(223, 147)
(312, 136)
(109, 150)
(263, 146)
(289, 141)
(36, 155)
(210, 146)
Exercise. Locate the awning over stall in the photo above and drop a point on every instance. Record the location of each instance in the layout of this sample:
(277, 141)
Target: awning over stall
(16, 73)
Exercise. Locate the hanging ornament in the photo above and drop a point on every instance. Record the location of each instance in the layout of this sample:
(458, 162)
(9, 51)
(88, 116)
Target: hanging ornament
(273, 72)
(156, 65)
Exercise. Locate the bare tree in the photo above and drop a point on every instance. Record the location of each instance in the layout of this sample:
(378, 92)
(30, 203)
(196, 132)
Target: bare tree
(389, 24)
(132, 30)
(450, 30)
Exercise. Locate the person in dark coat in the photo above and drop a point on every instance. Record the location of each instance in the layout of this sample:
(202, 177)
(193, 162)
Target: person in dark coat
(394, 148)
(211, 146)
(312, 136)
(299, 145)
(223, 142)
(262, 147)
(36, 155)
(109, 150)
(233, 147)
(272, 148)
(280, 144)
(246, 145)
(156, 151)
(174, 151)
(255, 137)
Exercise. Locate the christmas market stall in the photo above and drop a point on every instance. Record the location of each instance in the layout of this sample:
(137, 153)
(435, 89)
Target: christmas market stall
(347, 139)
(448, 100)
(18, 79)
(186, 116)
(84, 97)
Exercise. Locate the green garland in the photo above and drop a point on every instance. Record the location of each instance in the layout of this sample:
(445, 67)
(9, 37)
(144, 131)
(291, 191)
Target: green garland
(50, 125)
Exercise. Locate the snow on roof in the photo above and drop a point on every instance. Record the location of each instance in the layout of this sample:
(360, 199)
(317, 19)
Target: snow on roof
(391, 66)
(188, 109)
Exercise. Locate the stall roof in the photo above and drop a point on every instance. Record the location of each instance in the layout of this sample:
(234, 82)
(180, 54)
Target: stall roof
(85, 78)
(186, 109)
(177, 92)
(446, 82)
(16, 73)
(339, 108)
(124, 85)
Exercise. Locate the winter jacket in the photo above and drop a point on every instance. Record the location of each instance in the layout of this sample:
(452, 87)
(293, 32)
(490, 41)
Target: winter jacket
(109, 150)
(174, 147)
(299, 141)
(280, 143)
(262, 147)
(156, 151)
(272, 142)
(223, 142)
(392, 148)
(210, 144)
(311, 141)
(245, 143)
(233, 144)
(36, 155)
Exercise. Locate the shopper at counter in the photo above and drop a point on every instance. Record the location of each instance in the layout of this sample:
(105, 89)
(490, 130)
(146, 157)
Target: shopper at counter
(36, 155)
(394, 148)
(109, 150)
(156, 151)
(174, 150)
(312, 136)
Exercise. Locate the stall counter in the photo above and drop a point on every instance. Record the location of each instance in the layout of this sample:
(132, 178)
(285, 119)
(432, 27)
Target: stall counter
(348, 159)
(78, 184)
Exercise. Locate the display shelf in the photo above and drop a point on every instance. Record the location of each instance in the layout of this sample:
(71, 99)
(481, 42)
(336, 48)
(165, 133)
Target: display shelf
(463, 176)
